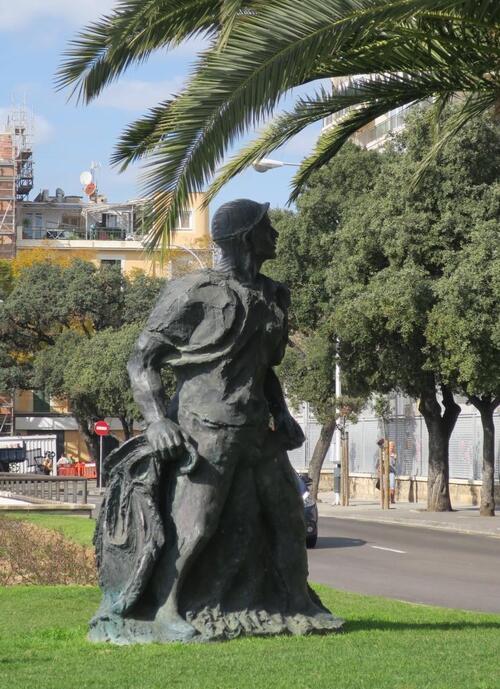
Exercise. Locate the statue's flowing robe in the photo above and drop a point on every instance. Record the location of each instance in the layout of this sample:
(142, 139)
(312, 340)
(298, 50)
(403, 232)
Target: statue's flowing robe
(212, 330)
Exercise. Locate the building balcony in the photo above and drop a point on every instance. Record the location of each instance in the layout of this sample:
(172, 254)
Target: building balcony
(373, 135)
(106, 234)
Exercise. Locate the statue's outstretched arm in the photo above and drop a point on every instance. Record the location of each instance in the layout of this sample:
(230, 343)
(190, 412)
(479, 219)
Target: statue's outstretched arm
(144, 370)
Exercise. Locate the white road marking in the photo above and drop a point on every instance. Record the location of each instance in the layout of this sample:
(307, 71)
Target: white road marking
(391, 550)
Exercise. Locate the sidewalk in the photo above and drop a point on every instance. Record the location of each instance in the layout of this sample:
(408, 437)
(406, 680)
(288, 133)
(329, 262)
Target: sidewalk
(11, 502)
(464, 518)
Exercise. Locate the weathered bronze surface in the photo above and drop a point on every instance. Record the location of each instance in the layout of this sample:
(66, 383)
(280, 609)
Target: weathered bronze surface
(201, 535)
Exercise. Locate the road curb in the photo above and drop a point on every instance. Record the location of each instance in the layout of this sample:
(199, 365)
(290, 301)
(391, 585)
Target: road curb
(419, 525)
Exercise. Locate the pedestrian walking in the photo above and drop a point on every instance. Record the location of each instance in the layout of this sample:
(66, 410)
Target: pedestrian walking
(336, 484)
(392, 471)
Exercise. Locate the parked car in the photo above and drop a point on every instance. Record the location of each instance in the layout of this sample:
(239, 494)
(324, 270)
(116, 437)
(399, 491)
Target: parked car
(310, 511)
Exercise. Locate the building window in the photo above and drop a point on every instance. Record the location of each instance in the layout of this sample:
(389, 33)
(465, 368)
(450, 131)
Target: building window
(71, 221)
(41, 401)
(185, 220)
(111, 263)
(28, 227)
(33, 226)
(109, 220)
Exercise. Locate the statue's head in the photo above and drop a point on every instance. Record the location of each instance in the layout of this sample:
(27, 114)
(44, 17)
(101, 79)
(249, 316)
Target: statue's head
(244, 226)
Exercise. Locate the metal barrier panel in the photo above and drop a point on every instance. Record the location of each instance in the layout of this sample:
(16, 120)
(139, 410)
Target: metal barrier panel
(407, 429)
(35, 445)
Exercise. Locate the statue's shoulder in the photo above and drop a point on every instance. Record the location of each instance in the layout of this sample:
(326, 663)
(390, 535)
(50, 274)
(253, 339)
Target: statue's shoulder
(189, 287)
(191, 282)
(186, 302)
(280, 291)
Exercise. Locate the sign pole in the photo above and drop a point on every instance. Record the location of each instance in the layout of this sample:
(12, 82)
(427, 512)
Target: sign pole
(101, 428)
(381, 483)
(100, 462)
(387, 485)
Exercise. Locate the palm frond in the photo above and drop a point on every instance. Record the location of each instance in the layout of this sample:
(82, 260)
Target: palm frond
(267, 54)
(264, 52)
(441, 102)
(106, 48)
(386, 93)
(142, 137)
(230, 9)
(376, 98)
(474, 106)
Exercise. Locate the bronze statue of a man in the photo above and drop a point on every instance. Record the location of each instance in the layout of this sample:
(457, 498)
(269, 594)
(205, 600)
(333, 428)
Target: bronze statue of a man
(202, 534)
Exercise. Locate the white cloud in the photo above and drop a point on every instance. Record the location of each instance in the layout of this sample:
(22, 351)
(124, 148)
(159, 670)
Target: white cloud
(15, 15)
(43, 131)
(138, 95)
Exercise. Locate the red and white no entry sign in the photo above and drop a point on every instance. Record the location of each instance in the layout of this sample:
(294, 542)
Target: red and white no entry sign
(101, 427)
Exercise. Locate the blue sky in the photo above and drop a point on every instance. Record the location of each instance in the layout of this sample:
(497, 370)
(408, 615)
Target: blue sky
(68, 137)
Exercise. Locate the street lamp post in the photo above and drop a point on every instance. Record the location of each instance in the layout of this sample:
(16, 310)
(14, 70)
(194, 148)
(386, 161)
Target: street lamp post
(338, 392)
(265, 164)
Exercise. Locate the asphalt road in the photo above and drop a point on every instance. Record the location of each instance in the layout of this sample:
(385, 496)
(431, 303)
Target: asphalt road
(408, 563)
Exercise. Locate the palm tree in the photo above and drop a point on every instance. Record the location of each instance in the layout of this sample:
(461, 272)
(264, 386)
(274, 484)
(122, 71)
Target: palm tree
(258, 50)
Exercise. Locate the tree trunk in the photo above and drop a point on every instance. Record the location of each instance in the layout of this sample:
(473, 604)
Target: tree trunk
(486, 407)
(439, 426)
(319, 454)
(127, 427)
(91, 440)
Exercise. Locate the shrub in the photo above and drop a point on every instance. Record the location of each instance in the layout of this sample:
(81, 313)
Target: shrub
(30, 554)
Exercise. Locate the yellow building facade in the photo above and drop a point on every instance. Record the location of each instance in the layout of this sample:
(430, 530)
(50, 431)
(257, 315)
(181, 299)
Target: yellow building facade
(103, 233)
(106, 233)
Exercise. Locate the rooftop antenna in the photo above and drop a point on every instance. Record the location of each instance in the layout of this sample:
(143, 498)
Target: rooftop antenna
(94, 167)
(88, 180)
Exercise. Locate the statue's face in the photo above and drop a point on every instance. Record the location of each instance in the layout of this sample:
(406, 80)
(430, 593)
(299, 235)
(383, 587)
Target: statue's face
(264, 238)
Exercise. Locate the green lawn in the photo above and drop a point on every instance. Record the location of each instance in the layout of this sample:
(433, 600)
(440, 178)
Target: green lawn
(387, 645)
(79, 529)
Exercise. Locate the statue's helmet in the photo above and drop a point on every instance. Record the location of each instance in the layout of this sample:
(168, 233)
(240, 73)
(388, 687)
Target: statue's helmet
(236, 217)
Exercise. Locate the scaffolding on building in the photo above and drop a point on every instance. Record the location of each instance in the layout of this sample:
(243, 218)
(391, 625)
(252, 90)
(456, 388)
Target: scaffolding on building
(7, 197)
(20, 125)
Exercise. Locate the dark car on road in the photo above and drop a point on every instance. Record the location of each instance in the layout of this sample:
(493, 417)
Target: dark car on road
(310, 510)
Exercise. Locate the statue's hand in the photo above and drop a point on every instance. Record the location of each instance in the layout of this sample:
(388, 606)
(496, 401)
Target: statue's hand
(290, 430)
(167, 438)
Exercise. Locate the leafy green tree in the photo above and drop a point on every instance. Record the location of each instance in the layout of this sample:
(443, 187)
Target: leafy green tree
(6, 278)
(49, 374)
(464, 334)
(48, 298)
(308, 373)
(140, 294)
(91, 374)
(97, 372)
(390, 254)
(304, 252)
(59, 319)
(257, 52)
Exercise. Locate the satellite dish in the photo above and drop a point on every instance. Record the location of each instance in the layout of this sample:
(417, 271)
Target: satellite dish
(89, 188)
(85, 178)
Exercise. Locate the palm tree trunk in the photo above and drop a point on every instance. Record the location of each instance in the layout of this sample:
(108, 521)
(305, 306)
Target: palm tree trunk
(486, 407)
(319, 454)
(439, 426)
